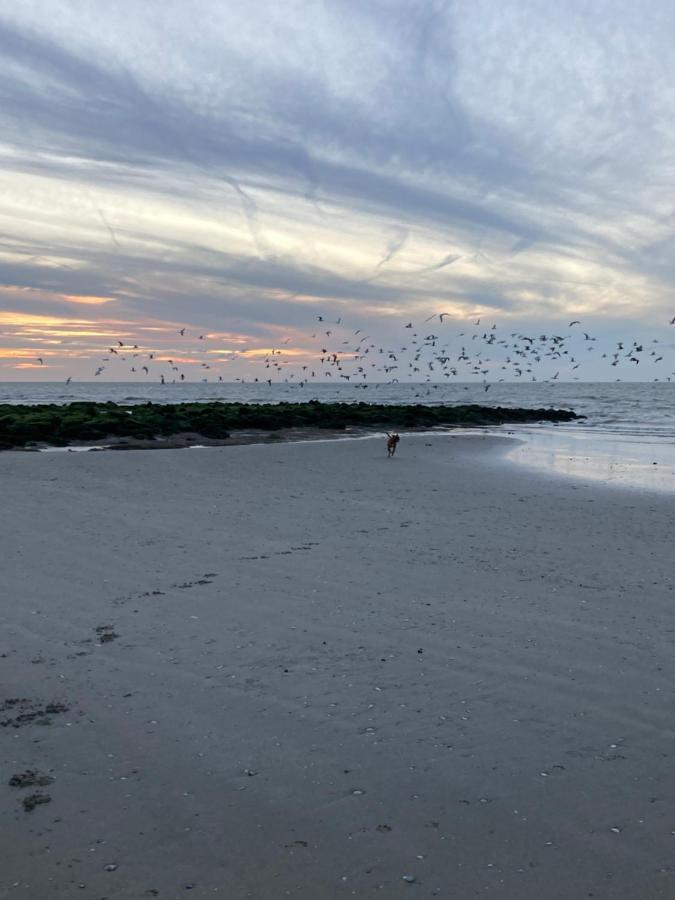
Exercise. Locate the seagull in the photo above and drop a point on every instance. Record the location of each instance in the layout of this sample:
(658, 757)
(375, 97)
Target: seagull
(99, 370)
(575, 322)
(40, 360)
(181, 332)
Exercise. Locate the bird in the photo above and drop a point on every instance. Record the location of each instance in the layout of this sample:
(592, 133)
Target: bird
(40, 360)
(575, 322)
(181, 332)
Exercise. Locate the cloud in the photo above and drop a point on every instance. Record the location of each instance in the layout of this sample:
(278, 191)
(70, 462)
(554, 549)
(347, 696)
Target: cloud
(238, 166)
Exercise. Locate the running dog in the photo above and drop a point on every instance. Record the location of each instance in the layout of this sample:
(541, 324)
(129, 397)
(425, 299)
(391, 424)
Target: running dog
(392, 441)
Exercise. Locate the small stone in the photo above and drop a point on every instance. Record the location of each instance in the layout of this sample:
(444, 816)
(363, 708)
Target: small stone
(409, 878)
(616, 830)
(110, 867)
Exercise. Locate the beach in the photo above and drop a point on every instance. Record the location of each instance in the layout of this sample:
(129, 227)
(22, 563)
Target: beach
(305, 670)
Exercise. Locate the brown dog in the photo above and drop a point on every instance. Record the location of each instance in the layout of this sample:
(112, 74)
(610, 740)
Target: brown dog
(392, 441)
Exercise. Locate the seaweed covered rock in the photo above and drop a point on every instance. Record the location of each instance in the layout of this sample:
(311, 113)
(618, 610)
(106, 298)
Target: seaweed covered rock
(61, 425)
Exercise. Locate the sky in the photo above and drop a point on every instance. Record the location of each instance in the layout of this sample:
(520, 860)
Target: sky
(240, 169)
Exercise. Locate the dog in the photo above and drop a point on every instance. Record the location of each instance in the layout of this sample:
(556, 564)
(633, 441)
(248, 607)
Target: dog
(392, 441)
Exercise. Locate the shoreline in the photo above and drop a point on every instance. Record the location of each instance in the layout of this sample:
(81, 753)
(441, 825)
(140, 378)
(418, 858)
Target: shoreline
(612, 459)
(569, 451)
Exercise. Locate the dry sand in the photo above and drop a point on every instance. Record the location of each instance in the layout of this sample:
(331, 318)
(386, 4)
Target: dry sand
(326, 671)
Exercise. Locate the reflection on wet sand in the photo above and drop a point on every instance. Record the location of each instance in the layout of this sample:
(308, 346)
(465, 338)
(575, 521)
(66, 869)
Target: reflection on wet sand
(627, 461)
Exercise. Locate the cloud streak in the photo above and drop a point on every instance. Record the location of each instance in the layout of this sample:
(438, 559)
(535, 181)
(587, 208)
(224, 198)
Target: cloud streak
(383, 158)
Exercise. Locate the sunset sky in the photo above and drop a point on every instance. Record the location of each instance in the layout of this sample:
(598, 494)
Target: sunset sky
(238, 169)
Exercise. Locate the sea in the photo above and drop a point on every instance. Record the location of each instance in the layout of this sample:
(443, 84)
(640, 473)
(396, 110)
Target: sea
(627, 437)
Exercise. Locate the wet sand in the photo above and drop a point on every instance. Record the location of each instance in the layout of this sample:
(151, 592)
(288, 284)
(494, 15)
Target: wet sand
(305, 670)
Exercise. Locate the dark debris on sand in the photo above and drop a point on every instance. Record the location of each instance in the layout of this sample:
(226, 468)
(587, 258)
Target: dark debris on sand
(29, 712)
(33, 800)
(106, 633)
(30, 778)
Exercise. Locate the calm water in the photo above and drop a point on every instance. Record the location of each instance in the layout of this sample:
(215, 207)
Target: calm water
(628, 437)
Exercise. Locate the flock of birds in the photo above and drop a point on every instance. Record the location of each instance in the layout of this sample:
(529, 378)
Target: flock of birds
(428, 352)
